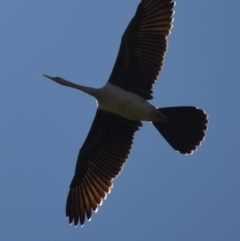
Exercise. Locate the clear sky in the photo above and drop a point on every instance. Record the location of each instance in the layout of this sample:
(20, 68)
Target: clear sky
(160, 195)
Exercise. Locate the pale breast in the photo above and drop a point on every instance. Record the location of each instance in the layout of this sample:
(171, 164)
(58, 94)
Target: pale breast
(124, 103)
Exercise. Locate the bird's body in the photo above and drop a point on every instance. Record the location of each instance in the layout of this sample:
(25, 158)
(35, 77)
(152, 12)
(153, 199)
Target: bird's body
(123, 104)
(126, 104)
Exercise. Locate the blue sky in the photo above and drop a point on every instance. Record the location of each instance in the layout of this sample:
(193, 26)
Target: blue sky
(160, 195)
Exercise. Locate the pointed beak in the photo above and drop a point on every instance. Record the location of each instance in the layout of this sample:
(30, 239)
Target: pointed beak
(47, 76)
(55, 79)
(61, 81)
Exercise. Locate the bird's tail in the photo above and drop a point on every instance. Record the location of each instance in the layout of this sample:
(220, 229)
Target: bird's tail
(184, 130)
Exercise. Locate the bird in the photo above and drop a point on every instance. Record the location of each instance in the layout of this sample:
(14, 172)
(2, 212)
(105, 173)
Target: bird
(122, 106)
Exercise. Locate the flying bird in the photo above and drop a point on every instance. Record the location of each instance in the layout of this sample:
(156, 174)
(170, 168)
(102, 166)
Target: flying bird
(123, 105)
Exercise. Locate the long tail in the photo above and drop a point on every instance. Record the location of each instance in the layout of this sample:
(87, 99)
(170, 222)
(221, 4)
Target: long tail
(185, 129)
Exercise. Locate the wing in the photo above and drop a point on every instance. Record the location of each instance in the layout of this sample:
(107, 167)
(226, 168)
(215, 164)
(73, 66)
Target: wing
(143, 47)
(100, 160)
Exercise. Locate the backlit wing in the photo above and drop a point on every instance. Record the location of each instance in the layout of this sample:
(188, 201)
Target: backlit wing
(100, 160)
(143, 47)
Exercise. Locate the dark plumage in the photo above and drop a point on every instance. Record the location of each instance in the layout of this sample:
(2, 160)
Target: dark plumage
(109, 141)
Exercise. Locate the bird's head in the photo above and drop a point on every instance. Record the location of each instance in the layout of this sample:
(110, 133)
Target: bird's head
(61, 81)
(58, 80)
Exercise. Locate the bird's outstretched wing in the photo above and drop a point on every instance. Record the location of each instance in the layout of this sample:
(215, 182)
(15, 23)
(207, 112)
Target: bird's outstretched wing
(143, 47)
(109, 141)
(100, 160)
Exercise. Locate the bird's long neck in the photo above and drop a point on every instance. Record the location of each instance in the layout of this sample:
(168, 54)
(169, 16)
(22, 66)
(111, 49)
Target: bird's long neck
(88, 90)
(85, 89)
